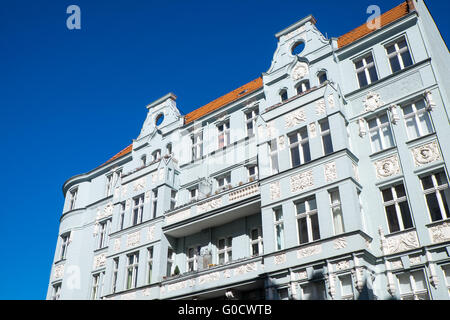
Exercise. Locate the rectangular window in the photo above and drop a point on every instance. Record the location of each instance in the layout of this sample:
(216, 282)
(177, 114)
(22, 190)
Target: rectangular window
(336, 210)
(279, 228)
(192, 259)
(346, 287)
(97, 286)
(250, 120)
(396, 207)
(446, 270)
(138, 209)
(154, 202)
(398, 55)
(173, 199)
(413, 285)
(380, 133)
(327, 145)
(283, 294)
(170, 259)
(273, 153)
(64, 244)
(223, 181)
(56, 294)
(437, 195)
(256, 242)
(103, 233)
(307, 220)
(314, 291)
(132, 270)
(224, 250)
(197, 145)
(193, 193)
(149, 264)
(72, 198)
(252, 172)
(224, 134)
(299, 146)
(365, 70)
(115, 274)
(122, 215)
(417, 119)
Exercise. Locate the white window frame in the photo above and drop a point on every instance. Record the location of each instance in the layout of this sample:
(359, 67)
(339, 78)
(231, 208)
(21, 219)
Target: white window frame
(156, 155)
(320, 74)
(307, 214)
(191, 261)
(154, 202)
(298, 145)
(414, 293)
(223, 133)
(365, 68)
(103, 234)
(251, 121)
(197, 145)
(173, 199)
(140, 210)
(343, 295)
(65, 241)
(254, 176)
(115, 275)
(227, 250)
(398, 52)
(302, 87)
(436, 189)
(122, 208)
(56, 292)
(283, 95)
(278, 225)
(97, 285)
(324, 134)
(258, 241)
(150, 253)
(335, 205)
(132, 268)
(415, 114)
(395, 201)
(170, 261)
(226, 178)
(109, 184)
(379, 130)
(273, 155)
(73, 198)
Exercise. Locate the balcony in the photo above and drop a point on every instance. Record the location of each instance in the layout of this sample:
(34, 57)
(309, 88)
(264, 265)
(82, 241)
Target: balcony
(215, 210)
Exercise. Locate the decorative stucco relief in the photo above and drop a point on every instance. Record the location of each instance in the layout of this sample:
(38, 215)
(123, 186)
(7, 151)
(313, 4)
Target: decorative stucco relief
(133, 239)
(294, 118)
(99, 260)
(340, 243)
(279, 259)
(396, 264)
(180, 285)
(426, 153)
(440, 232)
(301, 275)
(372, 102)
(309, 251)
(58, 271)
(275, 190)
(299, 71)
(243, 193)
(387, 167)
(210, 277)
(139, 184)
(178, 216)
(312, 130)
(330, 171)
(124, 191)
(281, 143)
(320, 107)
(117, 244)
(302, 181)
(400, 242)
(414, 260)
(342, 265)
(151, 233)
(331, 102)
(209, 205)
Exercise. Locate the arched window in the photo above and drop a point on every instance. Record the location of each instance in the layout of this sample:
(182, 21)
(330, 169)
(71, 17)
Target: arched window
(283, 95)
(303, 86)
(322, 76)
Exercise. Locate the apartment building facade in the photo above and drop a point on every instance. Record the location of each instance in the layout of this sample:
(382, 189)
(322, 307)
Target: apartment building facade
(324, 178)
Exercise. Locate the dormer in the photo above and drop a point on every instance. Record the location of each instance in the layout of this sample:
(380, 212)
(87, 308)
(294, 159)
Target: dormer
(162, 113)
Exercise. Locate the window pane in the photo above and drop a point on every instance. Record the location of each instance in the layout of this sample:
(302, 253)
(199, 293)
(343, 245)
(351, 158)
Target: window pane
(400, 191)
(301, 208)
(373, 74)
(295, 156)
(387, 195)
(406, 215)
(445, 194)
(362, 79)
(346, 285)
(315, 227)
(388, 139)
(407, 61)
(395, 64)
(303, 230)
(441, 178)
(420, 282)
(312, 204)
(306, 153)
(425, 123)
(427, 182)
(433, 207)
(392, 219)
(327, 144)
(375, 140)
(404, 282)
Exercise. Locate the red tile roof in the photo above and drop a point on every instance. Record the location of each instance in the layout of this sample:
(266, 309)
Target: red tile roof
(224, 100)
(346, 39)
(385, 19)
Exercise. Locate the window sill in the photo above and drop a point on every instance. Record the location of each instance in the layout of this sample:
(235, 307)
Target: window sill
(419, 139)
(382, 152)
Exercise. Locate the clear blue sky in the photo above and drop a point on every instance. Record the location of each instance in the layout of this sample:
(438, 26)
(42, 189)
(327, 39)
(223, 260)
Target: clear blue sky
(69, 100)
